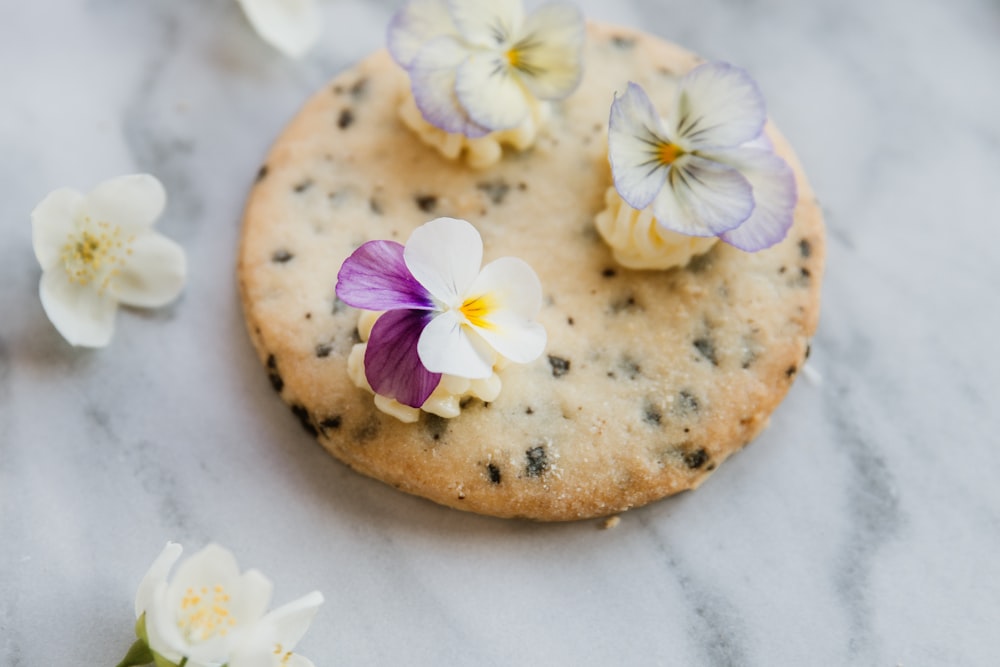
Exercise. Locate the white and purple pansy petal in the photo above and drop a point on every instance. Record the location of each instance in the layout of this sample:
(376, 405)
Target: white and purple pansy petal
(548, 53)
(444, 256)
(433, 76)
(717, 104)
(393, 366)
(490, 92)
(502, 304)
(775, 196)
(375, 277)
(417, 23)
(449, 345)
(637, 140)
(487, 23)
(703, 198)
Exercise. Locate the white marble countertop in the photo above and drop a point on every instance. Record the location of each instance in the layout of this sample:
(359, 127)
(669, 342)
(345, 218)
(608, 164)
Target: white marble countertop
(862, 528)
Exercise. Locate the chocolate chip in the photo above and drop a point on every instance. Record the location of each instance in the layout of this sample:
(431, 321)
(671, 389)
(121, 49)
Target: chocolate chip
(630, 367)
(346, 119)
(791, 370)
(375, 207)
(331, 422)
(323, 350)
(626, 303)
(696, 459)
(495, 190)
(366, 431)
(805, 248)
(609, 273)
(435, 425)
(706, 347)
(622, 42)
(281, 256)
(360, 88)
(261, 173)
(305, 419)
(273, 375)
(426, 203)
(494, 473)
(686, 403)
(651, 414)
(700, 263)
(303, 186)
(537, 461)
(529, 410)
(559, 365)
(569, 321)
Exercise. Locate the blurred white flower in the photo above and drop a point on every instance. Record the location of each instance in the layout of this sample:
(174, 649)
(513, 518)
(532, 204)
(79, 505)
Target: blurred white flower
(291, 26)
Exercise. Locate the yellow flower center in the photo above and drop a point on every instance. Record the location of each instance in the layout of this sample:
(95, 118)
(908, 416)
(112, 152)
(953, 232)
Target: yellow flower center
(513, 57)
(668, 153)
(205, 613)
(95, 253)
(477, 309)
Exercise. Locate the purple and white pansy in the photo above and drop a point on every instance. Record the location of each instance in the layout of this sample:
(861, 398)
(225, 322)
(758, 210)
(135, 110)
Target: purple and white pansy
(443, 314)
(477, 66)
(706, 169)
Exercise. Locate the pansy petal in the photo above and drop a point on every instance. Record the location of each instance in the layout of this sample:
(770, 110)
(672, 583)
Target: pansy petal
(490, 91)
(448, 346)
(432, 80)
(83, 315)
(392, 363)
(130, 200)
(487, 23)
(415, 24)
(511, 296)
(153, 275)
(156, 575)
(291, 26)
(635, 132)
(548, 53)
(775, 195)
(703, 198)
(375, 277)
(52, 222)
(717, 105)
(444, 255)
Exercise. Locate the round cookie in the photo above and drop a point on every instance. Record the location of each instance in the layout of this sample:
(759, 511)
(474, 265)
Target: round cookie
(650, 378)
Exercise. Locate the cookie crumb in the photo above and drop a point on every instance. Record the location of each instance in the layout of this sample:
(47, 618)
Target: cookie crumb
(610, 522)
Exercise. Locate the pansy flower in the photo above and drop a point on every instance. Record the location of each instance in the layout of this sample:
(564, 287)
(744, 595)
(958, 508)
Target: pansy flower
(443, 314)
(99, 250)
(291, 26)
(476, 66)
(706, 169)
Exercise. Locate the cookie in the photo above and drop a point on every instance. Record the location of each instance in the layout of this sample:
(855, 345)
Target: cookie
(650, 379)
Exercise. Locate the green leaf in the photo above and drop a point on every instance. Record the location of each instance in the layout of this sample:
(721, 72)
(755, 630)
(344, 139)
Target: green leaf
(138, 654)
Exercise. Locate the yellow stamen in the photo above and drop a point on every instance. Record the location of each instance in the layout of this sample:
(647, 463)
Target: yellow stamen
(513, 57)
(668, 153)
(477, 309)
(205, 615)
(94, 253)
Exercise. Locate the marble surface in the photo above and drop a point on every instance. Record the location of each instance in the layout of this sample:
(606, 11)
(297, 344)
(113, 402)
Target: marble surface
(862, 528)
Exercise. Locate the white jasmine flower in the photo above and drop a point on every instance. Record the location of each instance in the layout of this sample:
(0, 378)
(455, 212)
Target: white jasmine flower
(476, 66)
(210, 614)
(291, 26)
(99, 250)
